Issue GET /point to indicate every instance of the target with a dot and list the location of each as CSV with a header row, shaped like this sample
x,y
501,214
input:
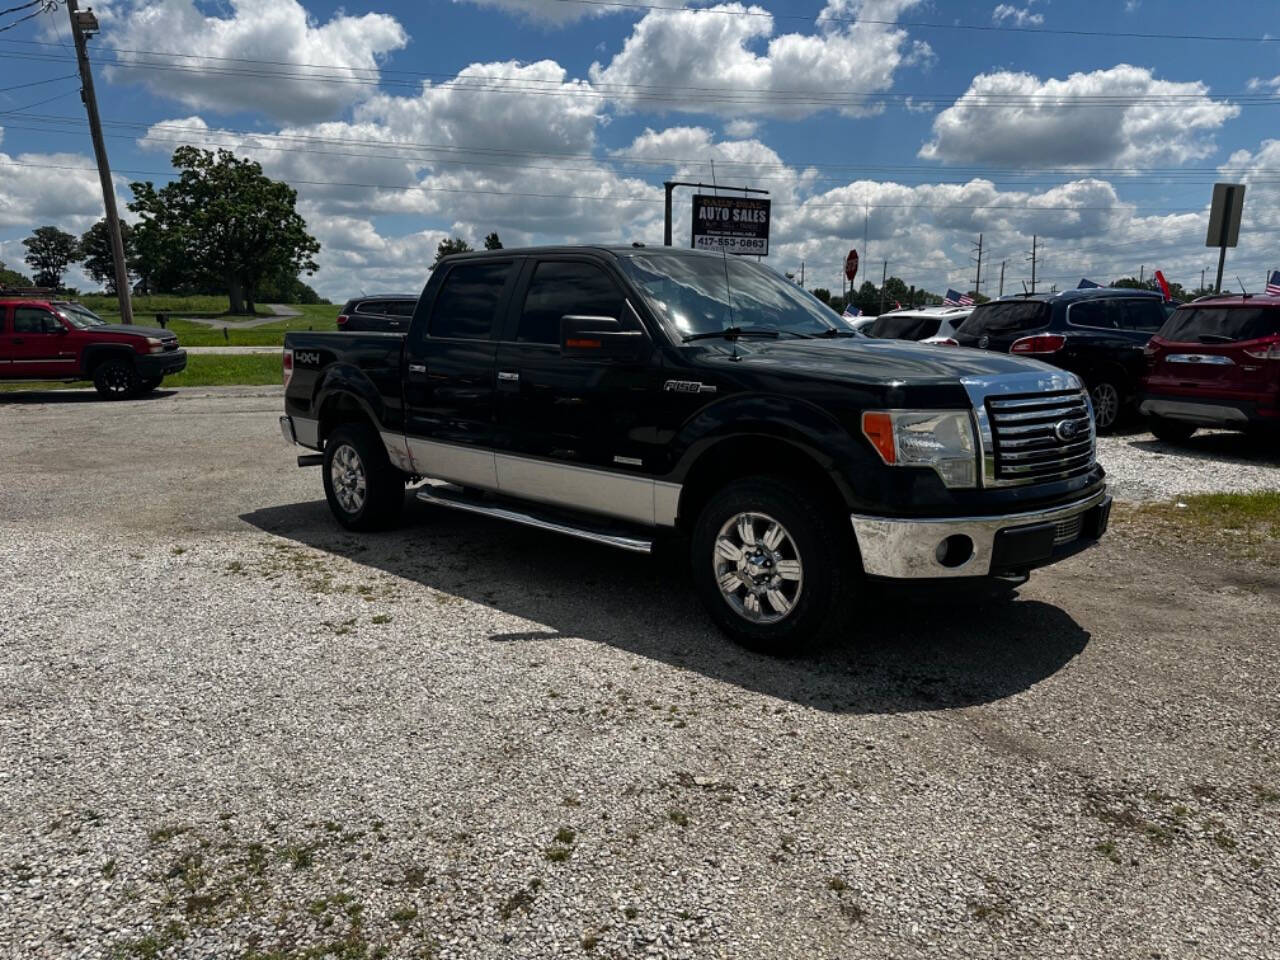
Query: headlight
x,y
941,439
154,345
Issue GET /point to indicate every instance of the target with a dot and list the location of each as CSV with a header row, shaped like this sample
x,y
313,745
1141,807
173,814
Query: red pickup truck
x,y
58,340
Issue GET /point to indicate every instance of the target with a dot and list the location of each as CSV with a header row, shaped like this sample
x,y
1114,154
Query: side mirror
x,y
599,338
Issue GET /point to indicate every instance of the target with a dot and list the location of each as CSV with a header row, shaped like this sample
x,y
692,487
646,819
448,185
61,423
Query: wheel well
x,y
738,457
99,355
339,409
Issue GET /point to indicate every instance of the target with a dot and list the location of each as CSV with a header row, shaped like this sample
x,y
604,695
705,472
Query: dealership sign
x,y
731,224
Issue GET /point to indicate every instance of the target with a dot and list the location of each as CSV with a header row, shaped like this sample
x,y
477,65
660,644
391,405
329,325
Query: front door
x,y
39,346
580,432
449,374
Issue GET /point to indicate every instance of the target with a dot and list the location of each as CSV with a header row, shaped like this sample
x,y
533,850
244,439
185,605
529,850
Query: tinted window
x,y
1099,314
1220,324
34,320
1006,316
402,308
891,326
468,299
557,289
1145,315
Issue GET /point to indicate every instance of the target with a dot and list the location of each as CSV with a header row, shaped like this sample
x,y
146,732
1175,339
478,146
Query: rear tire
x,y
365,492
772,569
1171,431
1108,403
116,379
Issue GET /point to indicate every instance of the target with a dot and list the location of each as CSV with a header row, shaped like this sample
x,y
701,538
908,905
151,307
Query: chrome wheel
x,y
758,567
346,470
1106,405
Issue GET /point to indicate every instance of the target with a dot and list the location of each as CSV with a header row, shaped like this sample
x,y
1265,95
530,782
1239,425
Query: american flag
x,y
1273,284
952,299
851,312
1087,284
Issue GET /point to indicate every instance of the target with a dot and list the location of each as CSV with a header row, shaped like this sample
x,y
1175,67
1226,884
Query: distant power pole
x,y
977,280
1002,263
1202,280
802,274
884,278
1032,258
1142,273
82,26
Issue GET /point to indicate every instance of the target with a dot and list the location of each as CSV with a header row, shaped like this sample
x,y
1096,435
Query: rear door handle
x,y
508,380
417,368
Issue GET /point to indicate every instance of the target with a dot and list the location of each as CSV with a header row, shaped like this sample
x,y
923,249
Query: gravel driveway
x,y
230,729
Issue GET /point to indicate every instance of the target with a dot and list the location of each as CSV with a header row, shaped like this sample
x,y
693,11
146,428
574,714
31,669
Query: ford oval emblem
x,y
983,341
1066,430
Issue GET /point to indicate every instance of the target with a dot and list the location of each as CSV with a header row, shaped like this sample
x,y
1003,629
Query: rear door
x,y
449,373
40,345
1216,350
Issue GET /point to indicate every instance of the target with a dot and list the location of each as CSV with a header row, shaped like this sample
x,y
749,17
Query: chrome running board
x,y
455,499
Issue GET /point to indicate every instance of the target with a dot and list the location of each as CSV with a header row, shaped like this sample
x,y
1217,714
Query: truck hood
x,y
866,361
134,330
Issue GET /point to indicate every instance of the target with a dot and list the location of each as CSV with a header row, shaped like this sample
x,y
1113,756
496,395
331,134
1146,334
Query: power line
x,y
36,83
922,25
21,20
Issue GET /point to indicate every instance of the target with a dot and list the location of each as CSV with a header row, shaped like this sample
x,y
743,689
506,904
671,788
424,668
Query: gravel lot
x,y
229,729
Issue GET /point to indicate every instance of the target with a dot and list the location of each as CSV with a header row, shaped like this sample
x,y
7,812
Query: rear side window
x,y
1011,316
468,299
34,320
403,308
1144,315
562,288
1098,314
1220,324
898,327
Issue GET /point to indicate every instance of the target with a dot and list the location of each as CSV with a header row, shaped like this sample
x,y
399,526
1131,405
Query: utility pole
x,y
1002,263
884,278
84,25
802,274
977,280
1202,280
1142,273
1034,240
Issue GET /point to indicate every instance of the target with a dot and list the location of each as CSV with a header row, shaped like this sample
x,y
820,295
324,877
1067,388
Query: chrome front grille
x,y
1042,436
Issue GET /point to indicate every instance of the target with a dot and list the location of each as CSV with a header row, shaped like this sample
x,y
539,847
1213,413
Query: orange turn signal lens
x,y
878,428
580,344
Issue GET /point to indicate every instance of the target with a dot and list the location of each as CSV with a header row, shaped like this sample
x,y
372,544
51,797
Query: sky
x,y
902,128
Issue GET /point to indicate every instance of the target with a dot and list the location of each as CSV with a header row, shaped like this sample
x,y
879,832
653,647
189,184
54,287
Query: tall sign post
x,y
83,24
1224,222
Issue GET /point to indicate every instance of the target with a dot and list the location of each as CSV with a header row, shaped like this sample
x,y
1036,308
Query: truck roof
x,y
610,249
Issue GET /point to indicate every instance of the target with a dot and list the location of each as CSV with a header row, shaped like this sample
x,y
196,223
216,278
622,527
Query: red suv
x,y
1215,363
45,340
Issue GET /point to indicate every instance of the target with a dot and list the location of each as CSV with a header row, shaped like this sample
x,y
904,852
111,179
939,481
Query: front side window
x,y
561,288
706,294
468,299
35,320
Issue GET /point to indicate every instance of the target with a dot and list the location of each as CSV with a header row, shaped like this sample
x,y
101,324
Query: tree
x,y
823,294
49,252
223,221
491,242
450,246
12,278
99,261
1176,291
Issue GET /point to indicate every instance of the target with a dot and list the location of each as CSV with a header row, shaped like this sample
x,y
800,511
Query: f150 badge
x,y
687,386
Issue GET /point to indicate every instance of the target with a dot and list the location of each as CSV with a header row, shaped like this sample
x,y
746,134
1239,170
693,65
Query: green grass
x,y
1249,523
203,370
314,316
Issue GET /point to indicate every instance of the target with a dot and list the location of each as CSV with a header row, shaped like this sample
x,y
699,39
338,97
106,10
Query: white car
x,y
860,325
936,325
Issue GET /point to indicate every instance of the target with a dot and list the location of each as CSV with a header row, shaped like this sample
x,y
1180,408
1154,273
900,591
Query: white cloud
x,y
1259,83
716,61
560,12
295,53
1021,16
741,129
1016,119
48,188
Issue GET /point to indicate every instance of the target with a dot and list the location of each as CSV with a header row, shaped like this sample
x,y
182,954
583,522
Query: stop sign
x,y
851,265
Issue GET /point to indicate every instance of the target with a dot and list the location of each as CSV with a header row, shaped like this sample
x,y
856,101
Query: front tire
x,y
149,384
365,492
770,566
116,379
1107,405
1171,431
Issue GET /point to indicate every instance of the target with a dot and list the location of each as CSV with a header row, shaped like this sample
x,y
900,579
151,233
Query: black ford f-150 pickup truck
x,y
619,394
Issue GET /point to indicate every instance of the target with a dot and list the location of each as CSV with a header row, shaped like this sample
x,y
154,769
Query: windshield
x,y
1006,316
897,326
1223,324
696,295
82,318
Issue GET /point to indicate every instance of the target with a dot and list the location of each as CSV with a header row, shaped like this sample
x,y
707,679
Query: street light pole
x,y
83,24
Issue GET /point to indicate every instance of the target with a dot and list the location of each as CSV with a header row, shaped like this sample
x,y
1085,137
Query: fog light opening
x,y
955,551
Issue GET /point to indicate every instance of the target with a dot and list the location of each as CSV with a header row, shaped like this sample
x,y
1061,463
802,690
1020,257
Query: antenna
x,y
1244,294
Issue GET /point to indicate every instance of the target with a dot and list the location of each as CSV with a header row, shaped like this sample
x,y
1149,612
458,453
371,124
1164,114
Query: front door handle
x,y
417,368
509,380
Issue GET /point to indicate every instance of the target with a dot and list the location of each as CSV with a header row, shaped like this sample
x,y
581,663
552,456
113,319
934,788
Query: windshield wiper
x,y
833,332
733,333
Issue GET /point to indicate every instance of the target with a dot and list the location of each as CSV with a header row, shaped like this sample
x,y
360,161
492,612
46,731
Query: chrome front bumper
x,y
909,548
